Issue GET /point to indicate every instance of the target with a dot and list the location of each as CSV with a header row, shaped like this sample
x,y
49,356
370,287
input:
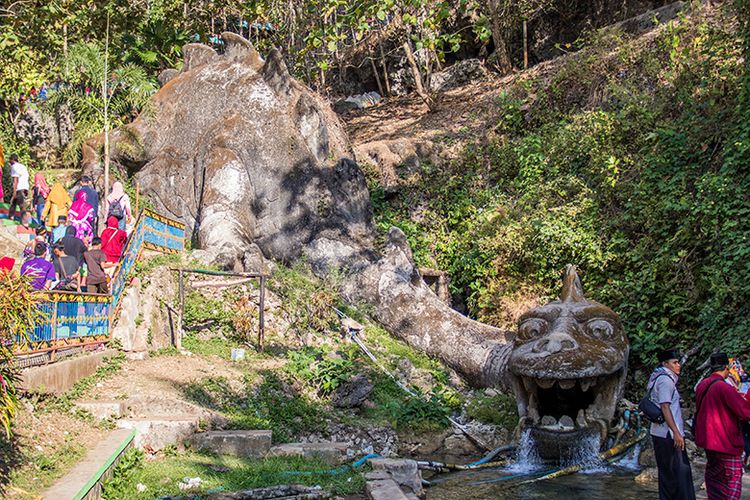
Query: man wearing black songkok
x,y
675,476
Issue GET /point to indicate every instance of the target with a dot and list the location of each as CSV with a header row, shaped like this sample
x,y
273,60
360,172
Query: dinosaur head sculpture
x,y
567,368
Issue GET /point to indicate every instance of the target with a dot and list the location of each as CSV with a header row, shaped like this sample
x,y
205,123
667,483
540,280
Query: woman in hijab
x,y
119,205
113,240
58,203
40,193
80,216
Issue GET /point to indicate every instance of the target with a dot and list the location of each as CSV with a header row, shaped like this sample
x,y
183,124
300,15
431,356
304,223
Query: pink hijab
x,y
41,184
79,207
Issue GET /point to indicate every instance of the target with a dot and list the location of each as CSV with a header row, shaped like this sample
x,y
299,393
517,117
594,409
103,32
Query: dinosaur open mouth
x,y
569,405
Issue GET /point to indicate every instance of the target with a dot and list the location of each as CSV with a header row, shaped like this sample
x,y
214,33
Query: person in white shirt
x,y
20,175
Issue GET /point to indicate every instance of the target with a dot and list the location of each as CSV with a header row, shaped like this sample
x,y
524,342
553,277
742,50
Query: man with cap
x,y
719,410
675,476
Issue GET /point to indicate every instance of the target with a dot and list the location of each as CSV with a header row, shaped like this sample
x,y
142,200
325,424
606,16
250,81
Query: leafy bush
x,y
122,475
320,368
499,410
18,315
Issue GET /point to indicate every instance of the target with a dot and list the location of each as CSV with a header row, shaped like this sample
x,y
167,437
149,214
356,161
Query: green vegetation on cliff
x,y
630,158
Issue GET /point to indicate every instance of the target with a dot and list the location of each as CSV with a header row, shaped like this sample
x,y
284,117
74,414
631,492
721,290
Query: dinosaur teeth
x,y
548,421
567,384
587,383
529,385
545,383
581,419
532,411
566,422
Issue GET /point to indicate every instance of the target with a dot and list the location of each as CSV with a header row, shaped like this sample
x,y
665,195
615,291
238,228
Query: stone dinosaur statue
x,y
259,167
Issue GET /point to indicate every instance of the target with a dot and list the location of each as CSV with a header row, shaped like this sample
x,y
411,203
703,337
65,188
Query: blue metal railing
x,y
72,318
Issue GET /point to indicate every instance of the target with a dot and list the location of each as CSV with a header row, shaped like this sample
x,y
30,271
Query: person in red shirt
x,y
113,240
719,410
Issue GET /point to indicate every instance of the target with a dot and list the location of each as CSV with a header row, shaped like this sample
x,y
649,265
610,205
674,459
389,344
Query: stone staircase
x,y
13,227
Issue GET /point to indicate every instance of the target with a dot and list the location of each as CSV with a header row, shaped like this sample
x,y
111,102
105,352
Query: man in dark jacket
x,y
719,411
74,247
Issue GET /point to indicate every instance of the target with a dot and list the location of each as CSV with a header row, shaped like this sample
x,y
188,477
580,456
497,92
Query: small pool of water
x,y
606,483
597,479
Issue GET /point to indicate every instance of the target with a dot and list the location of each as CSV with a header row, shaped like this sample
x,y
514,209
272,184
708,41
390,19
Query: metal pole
x,y
261,314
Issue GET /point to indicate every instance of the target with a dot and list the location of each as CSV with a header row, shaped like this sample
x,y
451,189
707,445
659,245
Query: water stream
x,y
598,480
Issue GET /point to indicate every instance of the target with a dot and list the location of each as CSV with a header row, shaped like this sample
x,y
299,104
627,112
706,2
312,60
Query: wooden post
x,y
377,77
417,75
54,332
181,296
385,69
261,314
525,46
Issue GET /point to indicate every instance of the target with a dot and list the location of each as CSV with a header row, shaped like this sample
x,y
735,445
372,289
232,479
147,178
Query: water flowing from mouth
x,y
586,454
527,456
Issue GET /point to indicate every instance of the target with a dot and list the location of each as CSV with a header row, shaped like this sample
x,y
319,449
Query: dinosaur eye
x,y
599,328
532,328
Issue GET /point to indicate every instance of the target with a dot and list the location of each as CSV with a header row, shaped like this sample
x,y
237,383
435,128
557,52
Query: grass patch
x,y
272,404
499,409
42,469
161,478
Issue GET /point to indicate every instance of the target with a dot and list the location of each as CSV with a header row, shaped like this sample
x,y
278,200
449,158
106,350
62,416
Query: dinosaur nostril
x,y
568,345
540,345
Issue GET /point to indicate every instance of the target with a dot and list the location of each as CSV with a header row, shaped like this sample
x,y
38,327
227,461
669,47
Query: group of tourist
x,y
722,404
67,252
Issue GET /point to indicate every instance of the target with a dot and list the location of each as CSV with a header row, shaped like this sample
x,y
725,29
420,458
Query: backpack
x,y
115,210
649,408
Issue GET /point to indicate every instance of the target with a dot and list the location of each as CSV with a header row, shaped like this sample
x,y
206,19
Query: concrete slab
x,y
60,376
103,409
332,453
253,443
158,432
405,472
384,489
84,481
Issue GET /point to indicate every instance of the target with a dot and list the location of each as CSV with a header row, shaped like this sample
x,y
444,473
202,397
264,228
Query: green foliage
x,y
122,475
201,310
19,314
307,300
498,409
271,404
128,89
404,412
629,162
324,370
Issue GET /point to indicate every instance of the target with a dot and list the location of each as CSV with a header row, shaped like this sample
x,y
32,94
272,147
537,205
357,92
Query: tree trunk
x,y
105,97
417,75
502,58
385,68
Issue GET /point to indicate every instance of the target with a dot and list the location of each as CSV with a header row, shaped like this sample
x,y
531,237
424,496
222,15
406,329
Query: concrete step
x,y
330,452
249,443
103,409
158,432
384,489
84,481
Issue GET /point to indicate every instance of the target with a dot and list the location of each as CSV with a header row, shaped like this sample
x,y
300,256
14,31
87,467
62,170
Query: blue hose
x,y
332,472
